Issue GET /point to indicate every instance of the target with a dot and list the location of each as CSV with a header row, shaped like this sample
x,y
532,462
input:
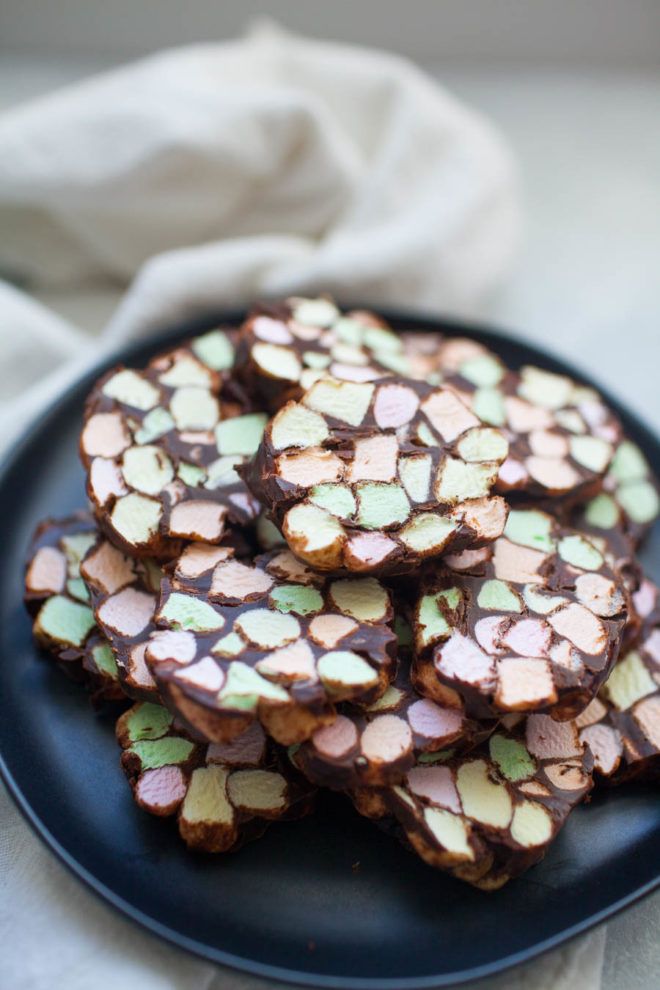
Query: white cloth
x,y
218,174
224,171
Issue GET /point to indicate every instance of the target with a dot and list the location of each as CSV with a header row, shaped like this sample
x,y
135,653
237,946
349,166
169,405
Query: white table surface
x,y
586,286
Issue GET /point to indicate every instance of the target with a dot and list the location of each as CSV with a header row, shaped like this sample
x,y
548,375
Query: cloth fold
x,y
273,164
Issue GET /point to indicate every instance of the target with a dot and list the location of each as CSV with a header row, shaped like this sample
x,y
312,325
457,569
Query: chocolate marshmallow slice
x,y
58,600
562,437
123,594
488,815
271,642
376,745
222,795
161,447
531,624
377,477
284,347
622,725
623,512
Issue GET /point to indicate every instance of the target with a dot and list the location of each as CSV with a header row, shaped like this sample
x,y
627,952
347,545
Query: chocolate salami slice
x,y
161,447
491,814
58,599
628,505
124,593
561,435
222,795
379,476
622,725
271,642
284,347
531,624
375,745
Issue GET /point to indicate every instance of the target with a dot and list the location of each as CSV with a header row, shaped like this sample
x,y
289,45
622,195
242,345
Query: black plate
x,y
328,901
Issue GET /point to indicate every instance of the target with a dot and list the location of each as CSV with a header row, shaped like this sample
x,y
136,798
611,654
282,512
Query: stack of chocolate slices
x,y
319,553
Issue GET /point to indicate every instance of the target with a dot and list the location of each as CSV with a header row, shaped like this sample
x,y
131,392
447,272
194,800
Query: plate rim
x,y
179,329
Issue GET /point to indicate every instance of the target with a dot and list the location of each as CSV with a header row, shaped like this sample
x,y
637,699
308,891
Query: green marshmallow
x,y
229,646
298,598
511,757
245,686
337,499
581,553
241,435
215,350
484,371
268,629
530,528
432,622
65,621
148,721
345,668
129,388
168,751
155,424
629,463
602,512
497,596
188,612
381,504
191,475
488,405
105,661
640,501
77,589
75,547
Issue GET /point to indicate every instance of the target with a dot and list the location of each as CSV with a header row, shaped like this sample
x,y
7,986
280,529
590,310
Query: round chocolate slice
x,y
489,815
124,592
57,597
379,476
622,725
161,447
222,795
532,623
284,347
271,642
628,505
561,435
376,745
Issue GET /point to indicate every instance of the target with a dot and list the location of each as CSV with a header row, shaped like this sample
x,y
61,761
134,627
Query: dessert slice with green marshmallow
x,y
376,477
562,437
376,744
623,512
57,598
531,624
622,725
161,447
123,593
488,815
222,794
270,642
286,346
